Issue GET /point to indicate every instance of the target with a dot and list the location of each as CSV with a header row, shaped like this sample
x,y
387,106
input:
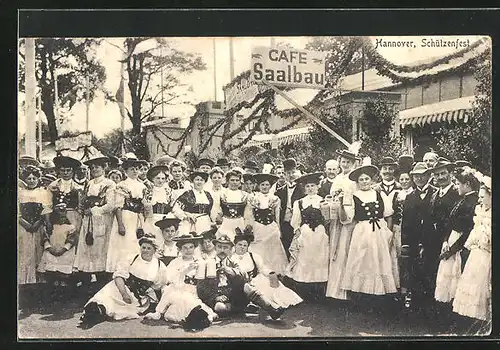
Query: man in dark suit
x,y
442,203
332,169
388,187
288,195
416,228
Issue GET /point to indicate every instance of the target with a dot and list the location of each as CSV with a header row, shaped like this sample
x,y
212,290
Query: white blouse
x,y
153,270
94,188
307,201
245,263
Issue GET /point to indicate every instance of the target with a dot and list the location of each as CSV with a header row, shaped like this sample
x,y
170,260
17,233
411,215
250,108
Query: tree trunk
x,y
48,109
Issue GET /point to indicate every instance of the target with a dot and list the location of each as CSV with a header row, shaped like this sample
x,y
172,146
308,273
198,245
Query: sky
x,y
104,116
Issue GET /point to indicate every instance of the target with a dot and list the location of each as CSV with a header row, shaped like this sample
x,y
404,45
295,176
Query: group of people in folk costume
x,y
190,246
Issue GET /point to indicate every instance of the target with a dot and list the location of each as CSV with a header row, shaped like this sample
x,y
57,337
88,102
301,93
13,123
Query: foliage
x,y
377,136
472,140
72,60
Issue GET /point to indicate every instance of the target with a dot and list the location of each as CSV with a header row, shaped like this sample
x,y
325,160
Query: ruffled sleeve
x,y
349,207
123,266
296,220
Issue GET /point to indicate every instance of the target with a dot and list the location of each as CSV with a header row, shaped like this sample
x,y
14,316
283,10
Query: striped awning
x,y
444,111
284,137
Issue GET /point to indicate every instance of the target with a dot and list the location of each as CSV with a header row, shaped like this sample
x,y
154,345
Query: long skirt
x,y
110,297
92,258
268,245
279,296
62,264
178,303
120,246
337,266
229,225
75,218
203,223
396,253
369,266
473,294
311,262
449,272
27,255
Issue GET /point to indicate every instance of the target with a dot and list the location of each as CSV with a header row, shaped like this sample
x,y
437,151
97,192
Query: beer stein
x,y
201,270
211,268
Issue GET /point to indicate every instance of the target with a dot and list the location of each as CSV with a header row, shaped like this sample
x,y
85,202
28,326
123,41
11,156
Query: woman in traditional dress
x,y
132,290
308,266
473,295
249,183
234,209
130,215
169,229
340,230
206,248
216,190
459,226
263,278
264,219
178,184
98,206
194,206
115,175
35,206
369,265
179,302
158,200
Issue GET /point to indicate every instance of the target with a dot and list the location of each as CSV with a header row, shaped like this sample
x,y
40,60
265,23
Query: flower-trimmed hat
x,y
187,238
148,238
130,160
261,177
168,222
209,234
164,160
223,239
97,160
246,235
155,170
313,178
28,160
205,161
370,170
66,162
388,161
346,154
47,164
420,168
201,174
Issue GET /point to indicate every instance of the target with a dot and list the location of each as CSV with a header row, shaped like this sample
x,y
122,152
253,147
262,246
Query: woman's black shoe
x,y
197,319
93,314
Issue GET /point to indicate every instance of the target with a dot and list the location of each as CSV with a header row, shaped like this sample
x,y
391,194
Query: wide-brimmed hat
x,y
313,178
28,160
155,170
346,154
97,160
289,164
486,182
443,164
209,234
462,163
66,162
164,160
388,161
187,238
405,163
198,173
245,235
223,162
114,161
205,161
177,162
248,177
249,164
223,239
129,160
168,222
47,164
148,238
370,170
261,177
420,168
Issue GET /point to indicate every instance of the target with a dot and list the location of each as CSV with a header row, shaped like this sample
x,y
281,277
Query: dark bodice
x,y
93,201
138,286
370,211
397,205
176,185
162,208
188,202
264,216
311,216
232,210
133,204
70,198
31,211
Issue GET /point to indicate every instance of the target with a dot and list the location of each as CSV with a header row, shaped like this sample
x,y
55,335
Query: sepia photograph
x,y
254,187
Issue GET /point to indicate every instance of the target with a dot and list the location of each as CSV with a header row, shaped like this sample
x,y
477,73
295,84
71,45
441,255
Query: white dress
x,y
342,229
309,250
233,208
109,296
120,246
158,206
183,206
369,264
93,258
279,296
62,236
448,274
179,297
69,192
33,204
267,242
473,295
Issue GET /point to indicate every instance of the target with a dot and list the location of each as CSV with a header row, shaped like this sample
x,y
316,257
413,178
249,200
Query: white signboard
x,y
73,143
243,90
289,67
